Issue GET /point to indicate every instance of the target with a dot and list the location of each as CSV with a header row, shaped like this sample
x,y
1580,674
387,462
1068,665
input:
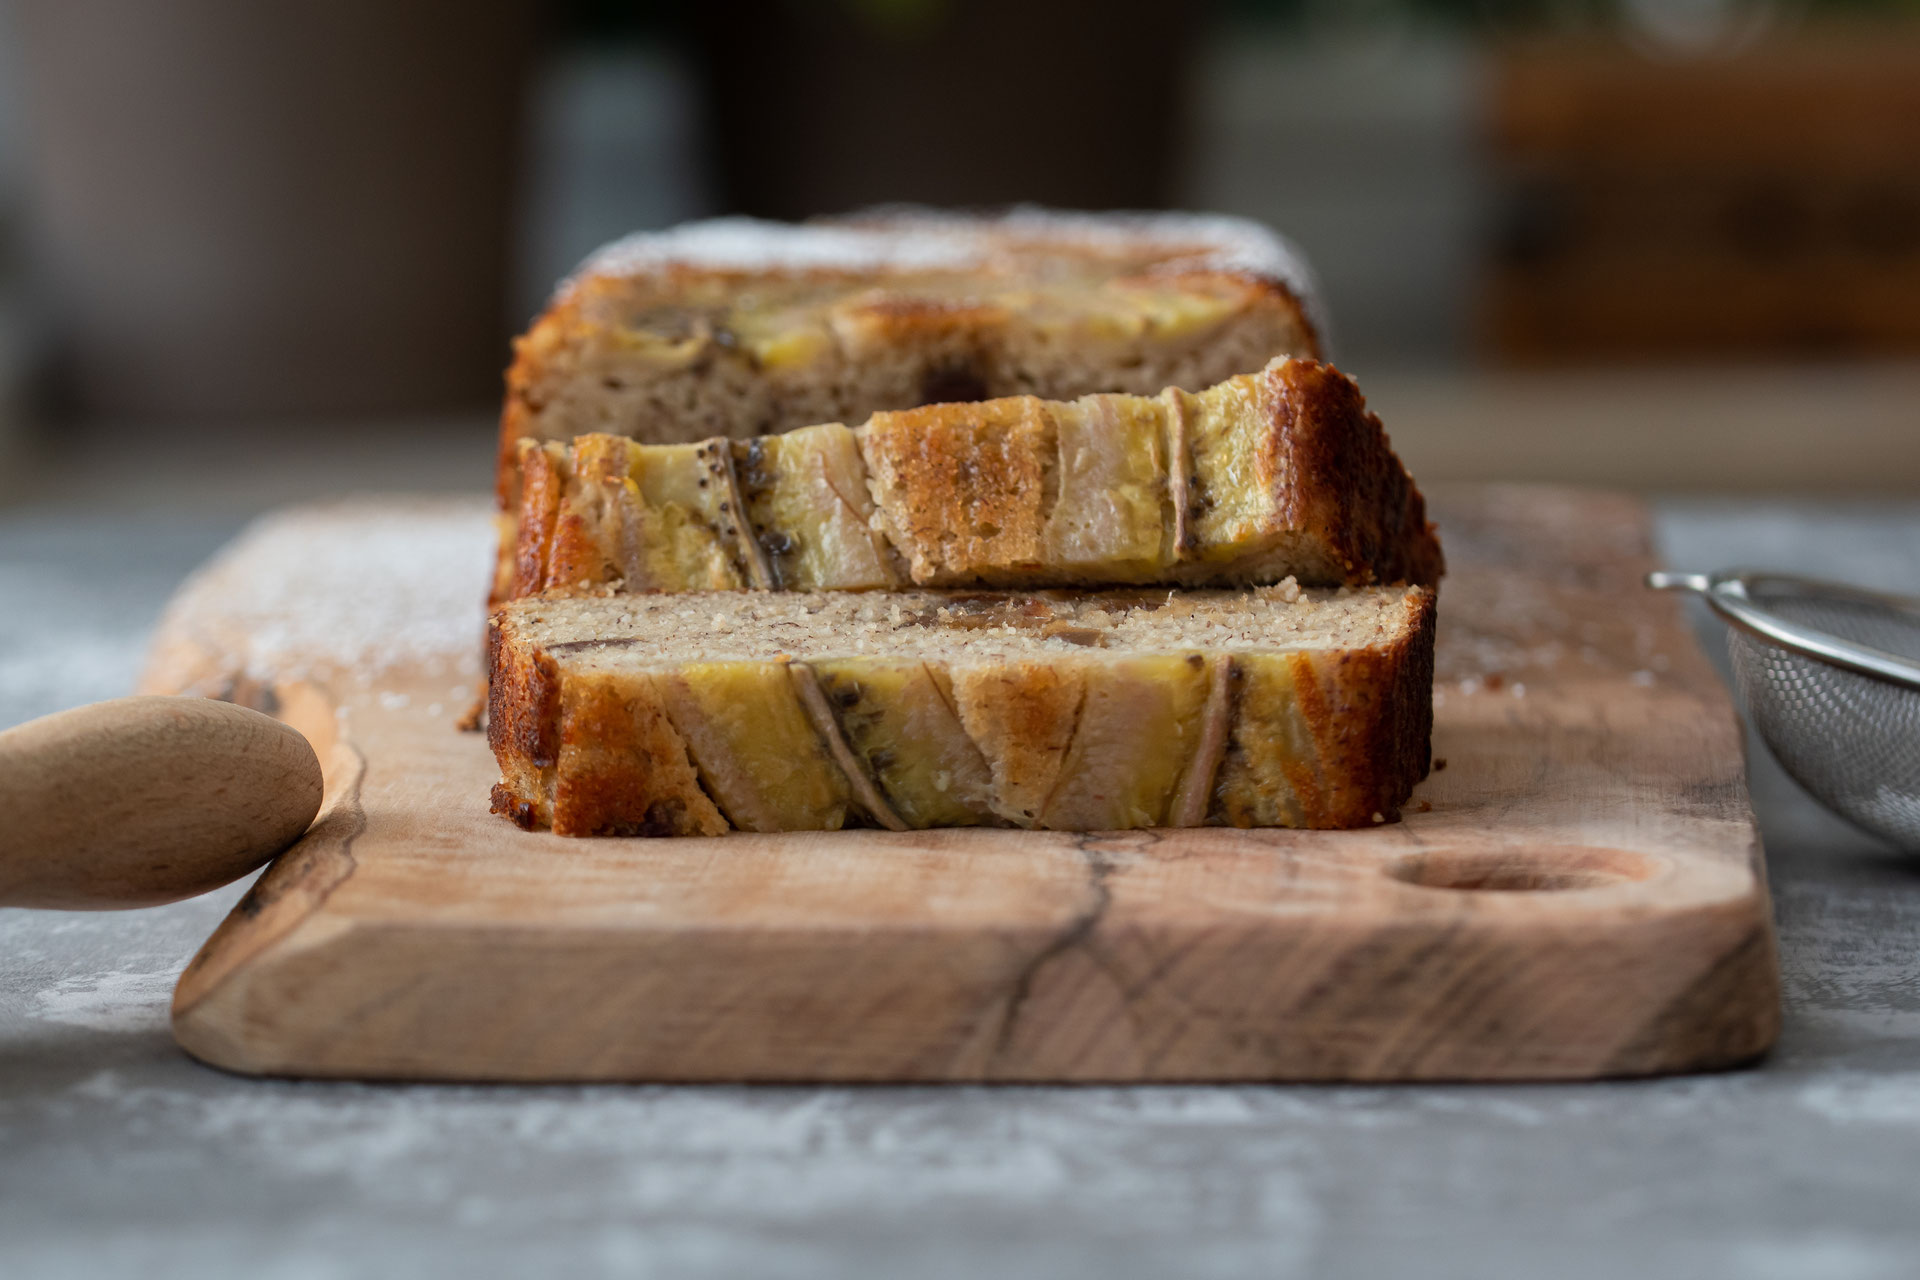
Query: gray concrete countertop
x,y
119,1156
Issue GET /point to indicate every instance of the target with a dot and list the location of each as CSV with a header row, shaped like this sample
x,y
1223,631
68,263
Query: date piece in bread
x,y
743,328
1281,473
699,713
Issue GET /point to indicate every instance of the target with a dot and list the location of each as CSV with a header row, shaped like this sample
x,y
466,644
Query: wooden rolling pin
x,y
140,801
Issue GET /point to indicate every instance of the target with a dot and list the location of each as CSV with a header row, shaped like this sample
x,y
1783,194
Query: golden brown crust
x,y
523,726
586,756
1330,740
1370,712
1332,469
622,770
541,486
968,479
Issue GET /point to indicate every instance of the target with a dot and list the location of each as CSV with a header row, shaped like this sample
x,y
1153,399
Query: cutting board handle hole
x,y
1545,869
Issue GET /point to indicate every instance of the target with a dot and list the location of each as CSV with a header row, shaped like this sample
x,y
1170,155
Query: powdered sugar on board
x,y
358,586
916,239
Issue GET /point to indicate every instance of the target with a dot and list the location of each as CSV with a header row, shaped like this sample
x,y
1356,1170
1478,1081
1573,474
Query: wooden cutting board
x,y
1577,890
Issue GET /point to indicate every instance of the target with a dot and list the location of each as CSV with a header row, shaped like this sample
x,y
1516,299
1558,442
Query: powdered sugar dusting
x,y
909,238
114,1001
752,244
361,585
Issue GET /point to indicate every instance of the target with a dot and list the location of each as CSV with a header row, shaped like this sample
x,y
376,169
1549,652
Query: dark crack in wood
x,y
1072,937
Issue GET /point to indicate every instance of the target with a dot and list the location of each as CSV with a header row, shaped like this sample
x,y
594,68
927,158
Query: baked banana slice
x,y
901,721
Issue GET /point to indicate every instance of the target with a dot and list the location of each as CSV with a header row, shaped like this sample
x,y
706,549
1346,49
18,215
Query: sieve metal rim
x,y
1729,595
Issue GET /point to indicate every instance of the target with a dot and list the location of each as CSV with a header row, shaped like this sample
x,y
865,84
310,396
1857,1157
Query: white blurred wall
x,y
1362,148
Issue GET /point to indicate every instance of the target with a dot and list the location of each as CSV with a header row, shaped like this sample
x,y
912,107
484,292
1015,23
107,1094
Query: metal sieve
x,y
1830,675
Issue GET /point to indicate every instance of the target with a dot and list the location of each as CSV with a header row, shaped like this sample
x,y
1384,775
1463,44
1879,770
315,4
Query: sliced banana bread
x,y
1268,475
697,713
739,328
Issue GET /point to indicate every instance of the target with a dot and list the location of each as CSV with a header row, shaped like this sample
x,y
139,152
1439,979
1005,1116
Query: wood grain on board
x,y
1575,892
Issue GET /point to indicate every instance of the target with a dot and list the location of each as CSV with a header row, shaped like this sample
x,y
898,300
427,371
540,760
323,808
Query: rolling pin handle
x,y
145,800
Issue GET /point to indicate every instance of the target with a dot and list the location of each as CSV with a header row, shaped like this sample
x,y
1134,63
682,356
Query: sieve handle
x,y
1727,595
1696,582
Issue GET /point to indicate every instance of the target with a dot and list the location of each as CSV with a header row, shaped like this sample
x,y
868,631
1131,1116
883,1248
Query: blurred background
x,y
252,251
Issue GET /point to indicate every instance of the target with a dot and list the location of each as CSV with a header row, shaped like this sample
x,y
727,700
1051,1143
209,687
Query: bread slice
x,y
698,713
740,328
1268,475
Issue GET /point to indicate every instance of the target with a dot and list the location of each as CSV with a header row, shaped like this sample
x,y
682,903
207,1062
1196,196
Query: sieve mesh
x,y
1851,739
